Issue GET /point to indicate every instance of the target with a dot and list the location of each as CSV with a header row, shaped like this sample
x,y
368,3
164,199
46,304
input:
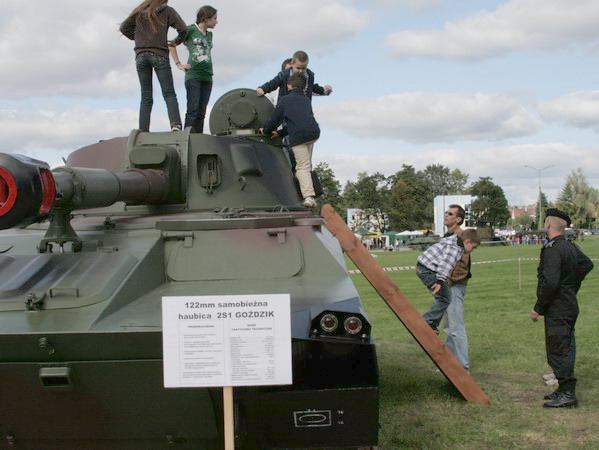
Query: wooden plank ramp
x,y
403,309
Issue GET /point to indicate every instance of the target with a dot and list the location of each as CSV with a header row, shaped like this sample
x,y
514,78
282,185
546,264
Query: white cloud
x,y
414,5
65,48
50,135
250,33
578,109
514,26
505,164
423,117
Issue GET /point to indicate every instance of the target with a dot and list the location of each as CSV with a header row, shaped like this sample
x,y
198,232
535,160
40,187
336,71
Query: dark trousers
x,y
561,349
198,95
442,298
146,62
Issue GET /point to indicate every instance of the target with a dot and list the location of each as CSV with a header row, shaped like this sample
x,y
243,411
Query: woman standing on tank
x,y
198,70
148,26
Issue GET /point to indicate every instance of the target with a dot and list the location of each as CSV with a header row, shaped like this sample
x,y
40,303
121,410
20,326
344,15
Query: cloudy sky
x,y
488,87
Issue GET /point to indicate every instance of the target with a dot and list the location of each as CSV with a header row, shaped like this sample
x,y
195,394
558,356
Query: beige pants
x,y
303,167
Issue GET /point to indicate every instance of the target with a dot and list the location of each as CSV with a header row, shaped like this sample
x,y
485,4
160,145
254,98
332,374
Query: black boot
x,y
562,400
553,395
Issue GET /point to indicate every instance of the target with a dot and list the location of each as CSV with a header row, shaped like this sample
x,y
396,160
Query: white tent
x,y
410,233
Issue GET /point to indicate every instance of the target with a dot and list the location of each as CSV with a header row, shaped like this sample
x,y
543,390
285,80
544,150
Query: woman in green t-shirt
x,y
198,70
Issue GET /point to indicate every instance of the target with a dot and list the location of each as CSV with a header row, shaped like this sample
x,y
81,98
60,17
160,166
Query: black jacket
x,y
296,110
561,270
280,82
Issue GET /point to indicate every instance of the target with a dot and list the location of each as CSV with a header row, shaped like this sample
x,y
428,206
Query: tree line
x,y
578,198
406,197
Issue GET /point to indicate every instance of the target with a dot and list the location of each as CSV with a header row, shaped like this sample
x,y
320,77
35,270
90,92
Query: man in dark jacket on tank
x,y
561,270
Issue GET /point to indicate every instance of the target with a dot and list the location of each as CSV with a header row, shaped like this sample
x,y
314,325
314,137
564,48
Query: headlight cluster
x,y
340,324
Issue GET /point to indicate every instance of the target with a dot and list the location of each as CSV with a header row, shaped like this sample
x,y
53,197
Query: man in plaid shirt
x,y
435,266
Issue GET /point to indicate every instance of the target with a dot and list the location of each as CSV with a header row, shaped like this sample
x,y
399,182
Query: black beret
x,y
557,213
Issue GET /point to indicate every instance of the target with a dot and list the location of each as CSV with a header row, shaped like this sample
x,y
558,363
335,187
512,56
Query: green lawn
x,y
420,409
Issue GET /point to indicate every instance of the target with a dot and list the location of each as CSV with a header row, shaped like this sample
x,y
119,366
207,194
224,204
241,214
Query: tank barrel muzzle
x,y
27,190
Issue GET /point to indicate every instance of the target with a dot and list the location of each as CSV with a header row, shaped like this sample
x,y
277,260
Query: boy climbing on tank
x,y
299,64
301,128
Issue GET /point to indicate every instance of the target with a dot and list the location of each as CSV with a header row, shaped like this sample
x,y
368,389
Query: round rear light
x,y
353,325
329,323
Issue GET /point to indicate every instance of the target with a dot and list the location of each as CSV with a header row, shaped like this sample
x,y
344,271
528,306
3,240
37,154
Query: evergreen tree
x,y
578,199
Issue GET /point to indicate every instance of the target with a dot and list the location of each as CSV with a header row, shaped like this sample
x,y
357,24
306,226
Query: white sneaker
x,y
549,376
552,382
176,127
309,202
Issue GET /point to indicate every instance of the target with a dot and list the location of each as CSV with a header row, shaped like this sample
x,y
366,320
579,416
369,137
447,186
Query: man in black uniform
x,y
561,270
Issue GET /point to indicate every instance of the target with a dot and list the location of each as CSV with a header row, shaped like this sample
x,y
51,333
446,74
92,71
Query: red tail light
x,y
353,325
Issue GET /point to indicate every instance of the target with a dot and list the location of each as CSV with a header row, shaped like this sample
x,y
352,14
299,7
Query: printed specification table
x,y
226,340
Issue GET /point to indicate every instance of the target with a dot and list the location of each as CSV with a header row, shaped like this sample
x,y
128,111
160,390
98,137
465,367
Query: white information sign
x,y
228,340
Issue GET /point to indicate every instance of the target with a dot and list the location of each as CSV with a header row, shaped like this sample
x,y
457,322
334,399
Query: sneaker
x,y
552,382
549,376
309,202
176,127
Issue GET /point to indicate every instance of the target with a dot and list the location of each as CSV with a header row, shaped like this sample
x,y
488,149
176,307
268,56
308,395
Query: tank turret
x,y
89,250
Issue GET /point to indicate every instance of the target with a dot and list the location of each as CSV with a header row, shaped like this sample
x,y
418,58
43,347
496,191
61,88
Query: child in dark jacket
x,y
299,64
295,109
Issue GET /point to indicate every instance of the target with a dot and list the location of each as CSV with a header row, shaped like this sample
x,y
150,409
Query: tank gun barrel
x,y
29,190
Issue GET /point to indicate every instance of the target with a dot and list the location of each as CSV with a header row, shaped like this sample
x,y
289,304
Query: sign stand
x,y
403,309
229,418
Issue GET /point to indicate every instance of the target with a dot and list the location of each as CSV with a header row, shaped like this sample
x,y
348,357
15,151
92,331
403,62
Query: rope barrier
x,y
394,269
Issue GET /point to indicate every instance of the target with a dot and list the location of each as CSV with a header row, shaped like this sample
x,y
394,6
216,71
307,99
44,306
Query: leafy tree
x,y
412,194
441,181
578,199
523,222
407,200
331,187
369,193
490,208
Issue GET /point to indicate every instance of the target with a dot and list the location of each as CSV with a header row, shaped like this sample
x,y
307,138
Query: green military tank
x,y
90,249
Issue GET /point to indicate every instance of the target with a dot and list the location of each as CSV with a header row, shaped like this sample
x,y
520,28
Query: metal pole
x,y
519,274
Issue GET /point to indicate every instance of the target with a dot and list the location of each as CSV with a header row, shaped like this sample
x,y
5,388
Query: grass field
x,y
420,409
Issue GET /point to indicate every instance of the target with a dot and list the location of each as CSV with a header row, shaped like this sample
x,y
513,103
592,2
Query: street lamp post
x,y
539,205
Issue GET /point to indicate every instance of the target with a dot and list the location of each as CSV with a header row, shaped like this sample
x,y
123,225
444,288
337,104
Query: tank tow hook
x,y
33,302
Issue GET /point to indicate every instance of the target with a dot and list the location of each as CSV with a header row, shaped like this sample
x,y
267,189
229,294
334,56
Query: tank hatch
x,y
265,253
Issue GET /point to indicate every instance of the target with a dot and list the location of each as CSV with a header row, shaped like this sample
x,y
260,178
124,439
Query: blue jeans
x,y
145,62
198,95
442,298
455,329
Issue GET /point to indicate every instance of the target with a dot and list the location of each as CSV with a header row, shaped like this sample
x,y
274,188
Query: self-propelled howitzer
x,y
90,249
